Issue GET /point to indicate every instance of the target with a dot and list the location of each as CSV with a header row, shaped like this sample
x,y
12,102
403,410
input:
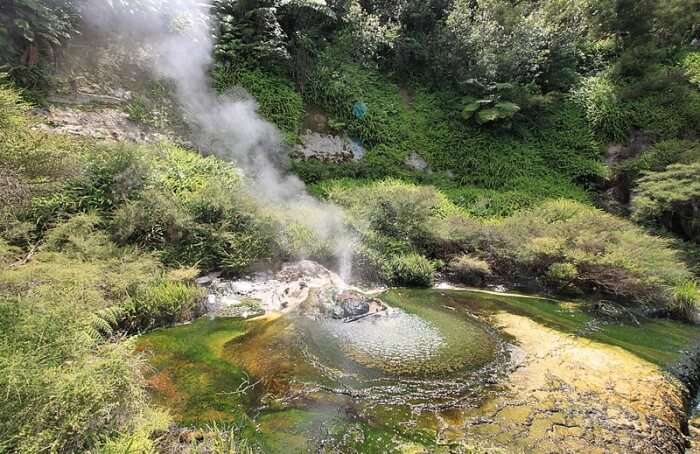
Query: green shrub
x,y
685,300
79,237
41,161
67,384
410,270
561,275
161,304
611,255
659,156
152,222
690,62
600,97
546,154
277,100
395,217
670,198
112,176
32,33
468,270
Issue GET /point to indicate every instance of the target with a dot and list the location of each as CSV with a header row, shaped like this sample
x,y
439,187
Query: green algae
x,y
190,374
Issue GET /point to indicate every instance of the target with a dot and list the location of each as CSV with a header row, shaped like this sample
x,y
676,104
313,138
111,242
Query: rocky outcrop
x,y
328,148
101,123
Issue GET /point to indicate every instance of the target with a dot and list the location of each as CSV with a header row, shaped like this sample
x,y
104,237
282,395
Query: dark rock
x,y
355,307
349,305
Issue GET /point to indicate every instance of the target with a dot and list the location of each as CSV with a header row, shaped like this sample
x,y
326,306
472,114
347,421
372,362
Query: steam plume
x,y
178,32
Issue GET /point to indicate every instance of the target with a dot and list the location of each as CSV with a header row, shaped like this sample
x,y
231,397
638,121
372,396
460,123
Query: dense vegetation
x,y
107,239
512,106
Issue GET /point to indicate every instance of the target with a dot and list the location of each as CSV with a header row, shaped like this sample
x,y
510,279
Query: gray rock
x,y
328,148
415,162
355,307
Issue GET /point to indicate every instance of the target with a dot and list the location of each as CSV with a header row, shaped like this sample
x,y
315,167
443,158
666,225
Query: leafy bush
x,y
690,62
410,270
561,275
599,96
111,177
670,198
469,270
686,300
68,385
30,37
611,255
37,159
395,217
277,100
161,304
659,156
544,155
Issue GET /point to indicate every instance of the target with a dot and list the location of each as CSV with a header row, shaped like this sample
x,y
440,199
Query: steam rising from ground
x,y
178,34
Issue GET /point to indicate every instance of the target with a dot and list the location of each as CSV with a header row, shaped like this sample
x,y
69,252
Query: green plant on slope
x,y
277,100
68,383
610,255
670,198
690,62
410,270
469,270
686,299
599,95
659,156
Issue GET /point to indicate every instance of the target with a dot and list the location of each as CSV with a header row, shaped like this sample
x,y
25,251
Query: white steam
x,y
178,35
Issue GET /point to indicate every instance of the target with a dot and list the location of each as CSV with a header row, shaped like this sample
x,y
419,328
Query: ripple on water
x,y
398,342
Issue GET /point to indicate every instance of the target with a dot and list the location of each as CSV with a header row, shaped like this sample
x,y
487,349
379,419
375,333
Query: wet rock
x,y
347,305
282,291
353,304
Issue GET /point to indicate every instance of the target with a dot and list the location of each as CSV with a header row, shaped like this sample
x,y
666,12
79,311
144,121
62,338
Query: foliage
x,y
599,96
660,103
34,157
610,254
67,384
277,100
490,109
410,270
468,270
540,158
690,62
161,304
274,33
394,217
686,299
659,156
369,38
670,198
31,33
497,42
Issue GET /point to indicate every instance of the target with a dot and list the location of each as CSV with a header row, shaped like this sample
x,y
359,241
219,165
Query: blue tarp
x,y
359,110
